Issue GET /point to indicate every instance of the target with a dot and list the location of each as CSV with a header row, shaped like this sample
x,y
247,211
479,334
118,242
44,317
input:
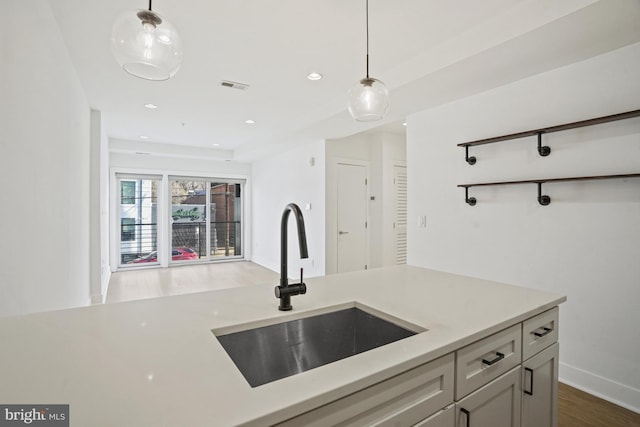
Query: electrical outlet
x,y
306,263
422,221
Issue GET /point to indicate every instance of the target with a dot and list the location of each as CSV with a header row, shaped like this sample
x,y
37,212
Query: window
x,y
128,192
127,229
176,220
138,213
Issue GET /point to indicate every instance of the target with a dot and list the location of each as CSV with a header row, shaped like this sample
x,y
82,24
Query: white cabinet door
x,y
540,389
444,418
497,404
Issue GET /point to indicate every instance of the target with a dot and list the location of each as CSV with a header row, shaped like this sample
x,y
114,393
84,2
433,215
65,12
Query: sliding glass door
x,y
225,220
167,220
206,219
188,220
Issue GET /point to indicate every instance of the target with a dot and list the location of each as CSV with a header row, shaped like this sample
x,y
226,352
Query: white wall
x,y
44,166
105,213
585,244
381,151
99,199
176,164
277,181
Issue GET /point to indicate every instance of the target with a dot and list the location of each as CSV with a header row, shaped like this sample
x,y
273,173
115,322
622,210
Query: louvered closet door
x,y
400,223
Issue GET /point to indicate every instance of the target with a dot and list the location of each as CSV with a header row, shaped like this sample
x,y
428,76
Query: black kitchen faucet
x,y
284,291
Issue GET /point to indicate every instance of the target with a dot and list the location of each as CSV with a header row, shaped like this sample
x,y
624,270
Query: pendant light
x,y
146,45
369,98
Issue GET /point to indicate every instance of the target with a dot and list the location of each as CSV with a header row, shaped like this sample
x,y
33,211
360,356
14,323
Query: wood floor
x,y
579,409
575,408
159,282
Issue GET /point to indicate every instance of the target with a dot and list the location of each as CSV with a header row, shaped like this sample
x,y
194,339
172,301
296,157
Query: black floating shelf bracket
x,y
471,160
543,150
471,201
544,200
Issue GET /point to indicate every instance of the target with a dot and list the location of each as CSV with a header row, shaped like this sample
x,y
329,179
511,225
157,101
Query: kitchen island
x,y
156,362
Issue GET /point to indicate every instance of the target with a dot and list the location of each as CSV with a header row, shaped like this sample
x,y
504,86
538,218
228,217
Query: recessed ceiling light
x,y
151,106
250,122
404,123
216,145
144,137
314,76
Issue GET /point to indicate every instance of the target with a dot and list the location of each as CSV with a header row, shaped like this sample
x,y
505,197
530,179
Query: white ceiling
x,y
428,52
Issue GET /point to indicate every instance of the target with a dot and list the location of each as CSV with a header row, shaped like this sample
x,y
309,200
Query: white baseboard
x,y
620,394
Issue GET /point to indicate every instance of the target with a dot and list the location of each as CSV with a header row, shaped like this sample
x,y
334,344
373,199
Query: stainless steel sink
x,y
269,353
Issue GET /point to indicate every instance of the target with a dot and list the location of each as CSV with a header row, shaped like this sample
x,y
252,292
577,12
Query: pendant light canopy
x,y
146,45
369,98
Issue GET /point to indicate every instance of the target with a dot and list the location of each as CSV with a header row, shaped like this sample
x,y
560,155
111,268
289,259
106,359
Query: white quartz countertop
x,y
156,362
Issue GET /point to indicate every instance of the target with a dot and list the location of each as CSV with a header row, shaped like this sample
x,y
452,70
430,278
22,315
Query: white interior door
x,y
400,220
352,218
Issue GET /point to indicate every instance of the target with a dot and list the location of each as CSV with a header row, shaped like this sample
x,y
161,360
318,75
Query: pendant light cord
x,y
149,4
367,25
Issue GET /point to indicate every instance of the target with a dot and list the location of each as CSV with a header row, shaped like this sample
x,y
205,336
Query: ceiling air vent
x,y
234,85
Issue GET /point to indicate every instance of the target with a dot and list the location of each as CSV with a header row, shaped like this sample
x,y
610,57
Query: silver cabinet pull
x,y
342,232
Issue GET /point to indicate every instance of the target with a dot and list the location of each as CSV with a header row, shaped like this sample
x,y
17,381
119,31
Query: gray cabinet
x,y
530,352
497,404
540,389
403,400
507,379
443,418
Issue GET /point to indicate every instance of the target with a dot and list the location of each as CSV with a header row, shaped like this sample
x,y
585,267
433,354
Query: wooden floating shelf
x,y
542,199
558,128
542,181
545,150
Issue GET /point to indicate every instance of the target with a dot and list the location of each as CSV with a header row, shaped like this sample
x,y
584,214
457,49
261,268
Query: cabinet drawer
x,y
487,359
539,332
399,401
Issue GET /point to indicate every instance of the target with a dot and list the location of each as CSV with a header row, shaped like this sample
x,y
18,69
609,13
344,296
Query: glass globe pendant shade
x,y
146,45
368,100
